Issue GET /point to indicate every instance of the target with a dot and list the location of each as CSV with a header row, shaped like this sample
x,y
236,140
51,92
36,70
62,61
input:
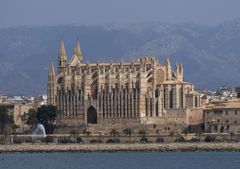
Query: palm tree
x,y
114,133
129,132
88,133
142,132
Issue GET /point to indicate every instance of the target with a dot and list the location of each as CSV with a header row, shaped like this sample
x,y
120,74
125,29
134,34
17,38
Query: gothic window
x,y
157,93
60,80
164,97
146,106
171,98
196,102
157,111
151,106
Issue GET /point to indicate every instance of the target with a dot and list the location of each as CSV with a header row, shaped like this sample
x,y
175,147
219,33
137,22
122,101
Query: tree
x,y
186,131
114,133
46,115
142,132
88,133
128,132
210,138
6,121
30,118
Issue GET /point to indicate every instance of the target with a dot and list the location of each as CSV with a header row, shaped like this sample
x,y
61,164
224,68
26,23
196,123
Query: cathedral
x,y
141,91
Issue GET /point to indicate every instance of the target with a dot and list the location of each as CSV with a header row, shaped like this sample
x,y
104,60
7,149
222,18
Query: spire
x,y
177,66
179,72
168,60
181,66
51,71
78,49
62,52
168,69
62,58
77,55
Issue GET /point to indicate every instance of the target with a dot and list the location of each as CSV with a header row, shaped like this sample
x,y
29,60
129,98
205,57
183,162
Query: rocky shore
x,y
171,147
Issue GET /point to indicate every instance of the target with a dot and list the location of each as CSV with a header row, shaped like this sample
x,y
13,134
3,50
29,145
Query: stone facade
x,y
222,117
17,111
142,91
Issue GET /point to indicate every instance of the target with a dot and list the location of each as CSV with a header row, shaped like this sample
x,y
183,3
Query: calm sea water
x,y
204,160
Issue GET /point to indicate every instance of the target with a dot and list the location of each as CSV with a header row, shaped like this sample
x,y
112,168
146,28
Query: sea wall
x,y
173,147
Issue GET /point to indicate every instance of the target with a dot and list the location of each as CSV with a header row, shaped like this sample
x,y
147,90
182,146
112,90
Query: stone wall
x,y
195,116
222,120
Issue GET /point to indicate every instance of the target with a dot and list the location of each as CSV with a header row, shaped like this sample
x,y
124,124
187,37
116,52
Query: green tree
x,y
142,132
114,133
6,121
210,138
46,115
186,131
128,132
88,133
30,118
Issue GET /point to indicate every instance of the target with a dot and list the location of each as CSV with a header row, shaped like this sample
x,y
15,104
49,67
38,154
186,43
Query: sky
x,y
55,12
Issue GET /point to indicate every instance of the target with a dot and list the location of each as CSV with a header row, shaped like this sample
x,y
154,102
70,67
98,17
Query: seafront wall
x,y
171,147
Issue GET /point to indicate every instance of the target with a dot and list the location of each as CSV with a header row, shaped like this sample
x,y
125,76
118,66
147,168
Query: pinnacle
x,y
51,70
62,51
78,49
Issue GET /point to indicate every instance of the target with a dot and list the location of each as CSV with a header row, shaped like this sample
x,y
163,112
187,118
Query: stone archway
x,y
92,115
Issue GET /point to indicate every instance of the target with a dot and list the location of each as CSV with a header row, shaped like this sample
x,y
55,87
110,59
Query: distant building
x,y
41,100
17,106
142,91
16,111
222,117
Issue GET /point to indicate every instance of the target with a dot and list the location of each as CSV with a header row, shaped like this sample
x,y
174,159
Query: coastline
x,y
165,147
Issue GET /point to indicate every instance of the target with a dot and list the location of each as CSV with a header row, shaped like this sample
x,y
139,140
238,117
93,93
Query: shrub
x,y
143,140
116,140
79,140
210,138
159,140
95,141
64,140
110,141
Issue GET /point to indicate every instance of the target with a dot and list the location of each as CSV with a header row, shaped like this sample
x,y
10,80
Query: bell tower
x,y
62,58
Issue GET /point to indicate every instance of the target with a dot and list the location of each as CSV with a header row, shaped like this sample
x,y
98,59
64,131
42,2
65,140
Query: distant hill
x,y
211,55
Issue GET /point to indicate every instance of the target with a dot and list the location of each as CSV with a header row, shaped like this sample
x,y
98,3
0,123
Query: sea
x,y
177,160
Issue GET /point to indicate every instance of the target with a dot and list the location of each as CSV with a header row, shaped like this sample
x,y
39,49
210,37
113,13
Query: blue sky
x,y
53,12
